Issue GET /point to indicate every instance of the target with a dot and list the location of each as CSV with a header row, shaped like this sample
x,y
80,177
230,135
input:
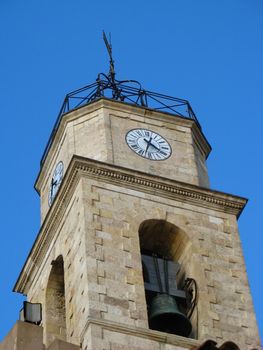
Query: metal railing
x,y
128,91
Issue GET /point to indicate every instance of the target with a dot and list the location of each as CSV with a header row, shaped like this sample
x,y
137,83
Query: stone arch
x,y
55,303
163,238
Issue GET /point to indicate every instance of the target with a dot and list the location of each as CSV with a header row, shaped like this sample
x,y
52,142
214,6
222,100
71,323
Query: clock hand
x,y
155,146
148,143
53,184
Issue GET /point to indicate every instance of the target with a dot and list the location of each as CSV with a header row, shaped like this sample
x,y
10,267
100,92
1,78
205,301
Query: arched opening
x,y
165,254
55,303
163,238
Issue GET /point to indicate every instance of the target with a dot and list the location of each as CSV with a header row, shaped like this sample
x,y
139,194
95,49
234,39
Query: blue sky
x,y
207,51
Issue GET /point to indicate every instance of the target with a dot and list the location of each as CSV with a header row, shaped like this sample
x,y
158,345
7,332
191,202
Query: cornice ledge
x,y
172,189
140,332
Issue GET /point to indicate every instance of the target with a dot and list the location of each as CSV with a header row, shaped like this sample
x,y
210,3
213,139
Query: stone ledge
x,y
171,189
150,334
62,345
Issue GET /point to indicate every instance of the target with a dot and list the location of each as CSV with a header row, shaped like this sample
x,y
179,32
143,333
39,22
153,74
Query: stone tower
x,y
120,178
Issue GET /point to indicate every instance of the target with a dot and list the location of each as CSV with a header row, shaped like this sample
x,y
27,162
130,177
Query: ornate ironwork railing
x,y
128,91
132,93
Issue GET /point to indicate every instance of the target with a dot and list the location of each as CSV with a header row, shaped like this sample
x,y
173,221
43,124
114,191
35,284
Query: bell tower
x,y
135,251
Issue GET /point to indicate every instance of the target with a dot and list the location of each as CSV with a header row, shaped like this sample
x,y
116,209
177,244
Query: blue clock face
x,y
148,144
55,182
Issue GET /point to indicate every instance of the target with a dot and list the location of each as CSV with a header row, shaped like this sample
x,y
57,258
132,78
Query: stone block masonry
x,y
94,225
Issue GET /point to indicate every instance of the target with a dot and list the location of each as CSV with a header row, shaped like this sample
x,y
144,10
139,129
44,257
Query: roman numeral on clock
x,y
163,153
135,146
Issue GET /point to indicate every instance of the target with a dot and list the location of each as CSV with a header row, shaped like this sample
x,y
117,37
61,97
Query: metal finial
x,y
109,48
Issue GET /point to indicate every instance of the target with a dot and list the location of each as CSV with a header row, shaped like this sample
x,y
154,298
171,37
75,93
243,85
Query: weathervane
x,y
109,48
117,93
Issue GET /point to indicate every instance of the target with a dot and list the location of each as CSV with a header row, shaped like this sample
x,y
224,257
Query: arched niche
x,y
55,326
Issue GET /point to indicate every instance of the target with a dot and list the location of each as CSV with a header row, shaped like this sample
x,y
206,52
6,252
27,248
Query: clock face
x,y
55,182
148,144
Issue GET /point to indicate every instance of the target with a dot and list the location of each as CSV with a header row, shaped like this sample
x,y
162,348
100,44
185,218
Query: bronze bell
x,y
165,316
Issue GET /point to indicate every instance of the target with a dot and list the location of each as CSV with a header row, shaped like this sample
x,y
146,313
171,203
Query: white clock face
x,y
148,144
55,182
